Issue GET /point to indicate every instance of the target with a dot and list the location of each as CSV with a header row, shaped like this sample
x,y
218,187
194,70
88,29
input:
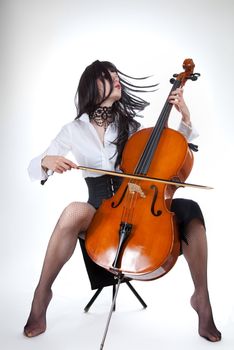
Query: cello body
x,y
153,245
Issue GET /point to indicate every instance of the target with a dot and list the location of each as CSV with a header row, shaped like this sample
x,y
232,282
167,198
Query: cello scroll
x,y
188,66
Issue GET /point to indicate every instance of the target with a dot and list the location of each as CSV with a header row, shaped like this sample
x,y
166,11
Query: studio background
x,y
45,46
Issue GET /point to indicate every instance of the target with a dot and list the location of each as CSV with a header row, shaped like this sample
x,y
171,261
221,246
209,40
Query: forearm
x,y
185,116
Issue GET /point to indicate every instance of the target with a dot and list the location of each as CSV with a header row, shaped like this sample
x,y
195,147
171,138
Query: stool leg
x,y
137,295
90,303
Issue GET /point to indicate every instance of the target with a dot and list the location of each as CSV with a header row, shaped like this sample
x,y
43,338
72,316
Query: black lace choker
x,y
102,116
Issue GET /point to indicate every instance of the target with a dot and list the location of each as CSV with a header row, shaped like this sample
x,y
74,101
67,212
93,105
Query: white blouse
x,y
81,139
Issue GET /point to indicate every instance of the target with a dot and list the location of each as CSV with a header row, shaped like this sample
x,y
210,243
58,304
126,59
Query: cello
x,y
134,233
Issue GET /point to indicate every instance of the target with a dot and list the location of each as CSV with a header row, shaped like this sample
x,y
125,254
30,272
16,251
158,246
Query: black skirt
x,y
104,187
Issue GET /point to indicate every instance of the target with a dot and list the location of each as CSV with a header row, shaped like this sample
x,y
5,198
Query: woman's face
x,y
115,94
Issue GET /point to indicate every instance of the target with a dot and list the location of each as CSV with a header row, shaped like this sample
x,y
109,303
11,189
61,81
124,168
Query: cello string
x,y
124,216
151,145
134,198
129,206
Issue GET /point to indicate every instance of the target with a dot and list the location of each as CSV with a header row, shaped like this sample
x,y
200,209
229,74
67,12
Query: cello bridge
x,y
134,188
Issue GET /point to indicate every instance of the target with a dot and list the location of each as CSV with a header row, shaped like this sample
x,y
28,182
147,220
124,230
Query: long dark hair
x,y
87,99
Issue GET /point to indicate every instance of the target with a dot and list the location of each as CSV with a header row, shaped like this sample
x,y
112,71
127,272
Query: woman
x,y
106,110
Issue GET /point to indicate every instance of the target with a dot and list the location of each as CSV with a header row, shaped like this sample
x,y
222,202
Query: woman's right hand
x,y
58,164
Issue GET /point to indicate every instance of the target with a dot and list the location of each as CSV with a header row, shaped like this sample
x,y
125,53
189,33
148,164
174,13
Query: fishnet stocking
x,y
75,218
196,255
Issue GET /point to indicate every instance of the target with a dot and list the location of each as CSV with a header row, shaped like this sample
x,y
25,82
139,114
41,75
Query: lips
x,y
118,86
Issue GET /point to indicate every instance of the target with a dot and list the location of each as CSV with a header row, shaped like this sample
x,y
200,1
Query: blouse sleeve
x,y
188,131
60,146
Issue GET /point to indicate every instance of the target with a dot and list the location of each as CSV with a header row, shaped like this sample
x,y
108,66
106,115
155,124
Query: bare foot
x,y
206,327
36,323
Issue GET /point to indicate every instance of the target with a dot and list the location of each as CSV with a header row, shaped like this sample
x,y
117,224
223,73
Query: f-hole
x,y
153,211
113,205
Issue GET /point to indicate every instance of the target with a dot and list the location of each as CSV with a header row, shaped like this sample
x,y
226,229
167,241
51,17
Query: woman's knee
x,y
75,215
70,216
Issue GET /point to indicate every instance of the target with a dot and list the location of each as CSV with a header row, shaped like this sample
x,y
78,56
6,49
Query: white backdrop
x,y
45,46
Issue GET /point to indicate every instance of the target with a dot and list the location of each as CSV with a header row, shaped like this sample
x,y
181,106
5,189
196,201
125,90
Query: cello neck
x,y
151,146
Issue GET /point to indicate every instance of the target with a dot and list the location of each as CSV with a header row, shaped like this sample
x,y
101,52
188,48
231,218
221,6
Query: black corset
x,y
102,187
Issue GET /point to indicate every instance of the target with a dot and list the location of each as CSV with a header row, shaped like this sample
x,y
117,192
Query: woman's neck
x,y
102,116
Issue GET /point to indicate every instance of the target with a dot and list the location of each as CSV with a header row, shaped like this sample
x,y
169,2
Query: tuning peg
x,y
194,76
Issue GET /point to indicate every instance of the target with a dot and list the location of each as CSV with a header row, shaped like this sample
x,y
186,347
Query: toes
x,y
34,329
212,337
33,333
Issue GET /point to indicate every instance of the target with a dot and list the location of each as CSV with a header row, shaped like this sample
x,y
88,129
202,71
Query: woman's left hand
x,y
177,99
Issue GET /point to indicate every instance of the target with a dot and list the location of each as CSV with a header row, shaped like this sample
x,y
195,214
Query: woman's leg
x,y
74,219
196,255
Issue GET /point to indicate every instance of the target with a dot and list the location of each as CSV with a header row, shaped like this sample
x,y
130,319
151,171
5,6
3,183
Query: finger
x,y
58,170
65,163
178,93
61,167
72,165
69,163
174,99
